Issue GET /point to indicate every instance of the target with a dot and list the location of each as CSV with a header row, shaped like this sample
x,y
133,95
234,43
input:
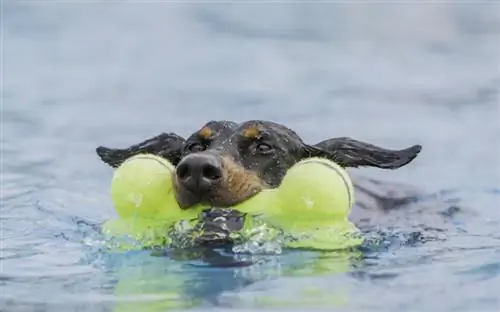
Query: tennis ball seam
x,y
329,165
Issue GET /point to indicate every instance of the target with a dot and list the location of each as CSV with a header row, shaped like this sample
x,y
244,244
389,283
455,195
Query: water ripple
x,y
105,73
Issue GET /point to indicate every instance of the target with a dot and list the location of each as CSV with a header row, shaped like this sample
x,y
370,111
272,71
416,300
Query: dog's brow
x,y
251,132
206,133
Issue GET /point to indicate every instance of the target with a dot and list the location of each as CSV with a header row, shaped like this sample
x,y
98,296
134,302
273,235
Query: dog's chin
x,y
216,199
216,226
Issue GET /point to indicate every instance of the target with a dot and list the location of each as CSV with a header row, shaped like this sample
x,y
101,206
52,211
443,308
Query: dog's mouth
x,y
220,189
215,198
233,185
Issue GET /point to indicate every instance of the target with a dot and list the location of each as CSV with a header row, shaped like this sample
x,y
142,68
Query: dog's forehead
x,y
214,130
255,128
280,136
225,135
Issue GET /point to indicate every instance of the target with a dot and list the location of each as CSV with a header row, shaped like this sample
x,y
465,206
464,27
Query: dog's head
x,y
225,163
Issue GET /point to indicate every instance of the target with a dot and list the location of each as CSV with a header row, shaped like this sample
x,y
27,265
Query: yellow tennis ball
x,y
142,188
317,189
317,196
143,197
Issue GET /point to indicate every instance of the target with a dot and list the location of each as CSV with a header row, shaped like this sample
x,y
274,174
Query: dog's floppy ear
x,y
166,145
348,152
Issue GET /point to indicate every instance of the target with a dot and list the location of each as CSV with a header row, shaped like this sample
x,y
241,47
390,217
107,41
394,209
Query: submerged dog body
x,y
225,163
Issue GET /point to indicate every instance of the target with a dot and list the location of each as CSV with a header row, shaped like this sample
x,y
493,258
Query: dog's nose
x,y
199,172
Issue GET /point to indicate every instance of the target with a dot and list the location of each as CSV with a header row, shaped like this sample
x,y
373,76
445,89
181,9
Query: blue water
x,y
80,74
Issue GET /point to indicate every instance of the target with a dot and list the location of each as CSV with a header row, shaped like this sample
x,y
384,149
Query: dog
x,y
224,163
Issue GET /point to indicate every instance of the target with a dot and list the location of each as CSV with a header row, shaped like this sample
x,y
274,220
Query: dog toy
x,y
142,196
312,202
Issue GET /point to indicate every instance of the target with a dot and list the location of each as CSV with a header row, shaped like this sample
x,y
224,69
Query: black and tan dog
x,y
225,163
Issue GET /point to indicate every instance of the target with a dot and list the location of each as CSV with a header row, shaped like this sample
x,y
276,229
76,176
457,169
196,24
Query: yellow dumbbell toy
x,y
312,203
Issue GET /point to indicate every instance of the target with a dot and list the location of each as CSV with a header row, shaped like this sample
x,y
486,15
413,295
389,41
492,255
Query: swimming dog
x,y
224,163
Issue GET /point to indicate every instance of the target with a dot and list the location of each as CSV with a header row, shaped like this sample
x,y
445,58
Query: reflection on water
x,y
158,283
81,74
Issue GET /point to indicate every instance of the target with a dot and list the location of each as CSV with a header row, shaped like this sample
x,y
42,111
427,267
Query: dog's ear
x,y
166,145
348,152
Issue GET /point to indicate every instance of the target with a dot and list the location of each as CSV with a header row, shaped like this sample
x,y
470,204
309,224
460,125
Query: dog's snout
x,y
199,172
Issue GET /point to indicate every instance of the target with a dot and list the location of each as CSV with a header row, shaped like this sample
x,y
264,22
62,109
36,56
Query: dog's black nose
x,y
199,172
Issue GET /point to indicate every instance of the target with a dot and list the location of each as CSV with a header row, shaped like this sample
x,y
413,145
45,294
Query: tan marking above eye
x,y
252,132
205,133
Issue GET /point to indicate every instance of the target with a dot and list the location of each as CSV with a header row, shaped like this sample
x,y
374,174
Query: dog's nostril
x,y
183,171
199,172
211,172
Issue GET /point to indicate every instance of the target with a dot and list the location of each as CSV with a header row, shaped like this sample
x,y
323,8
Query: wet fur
x,y
246,171
236,185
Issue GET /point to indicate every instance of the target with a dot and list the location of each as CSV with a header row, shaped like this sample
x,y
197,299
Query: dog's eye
x,y
263,148
196,147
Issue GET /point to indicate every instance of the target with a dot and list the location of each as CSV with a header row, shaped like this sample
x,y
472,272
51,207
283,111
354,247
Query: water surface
x,y
80,74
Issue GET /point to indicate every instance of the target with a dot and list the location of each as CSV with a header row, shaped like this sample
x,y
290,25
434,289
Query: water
x,y
80,74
